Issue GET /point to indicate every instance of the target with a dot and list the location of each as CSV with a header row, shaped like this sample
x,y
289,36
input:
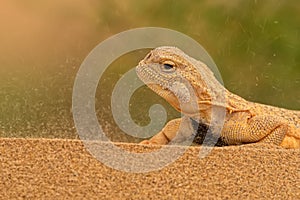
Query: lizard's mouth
x,y
148,76
160,90
166,94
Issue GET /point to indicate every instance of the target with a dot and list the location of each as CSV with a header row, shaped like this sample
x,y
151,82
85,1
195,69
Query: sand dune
x,y
48,169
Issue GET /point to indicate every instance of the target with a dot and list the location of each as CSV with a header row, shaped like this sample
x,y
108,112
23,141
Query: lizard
x,y
174,75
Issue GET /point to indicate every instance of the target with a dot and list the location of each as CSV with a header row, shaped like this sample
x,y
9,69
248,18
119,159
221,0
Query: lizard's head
x,y
175,76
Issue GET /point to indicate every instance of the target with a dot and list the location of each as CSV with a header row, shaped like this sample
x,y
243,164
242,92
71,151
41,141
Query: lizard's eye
x,y
168,66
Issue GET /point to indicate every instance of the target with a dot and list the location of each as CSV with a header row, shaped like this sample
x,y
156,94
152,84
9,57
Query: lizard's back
x,y
292,116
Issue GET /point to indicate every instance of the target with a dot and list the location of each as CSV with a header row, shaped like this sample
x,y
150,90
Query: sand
x,y
63,169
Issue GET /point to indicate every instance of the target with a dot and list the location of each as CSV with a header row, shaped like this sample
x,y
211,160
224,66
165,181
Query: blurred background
x,y
255,44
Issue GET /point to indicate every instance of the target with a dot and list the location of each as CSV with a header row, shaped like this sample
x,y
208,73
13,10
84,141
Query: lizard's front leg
x,y
180,128
265,128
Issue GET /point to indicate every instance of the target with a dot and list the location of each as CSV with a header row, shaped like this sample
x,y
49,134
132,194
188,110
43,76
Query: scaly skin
x,y
191,88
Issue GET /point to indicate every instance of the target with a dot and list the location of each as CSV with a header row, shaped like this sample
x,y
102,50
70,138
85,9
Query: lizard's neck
x,y
212,93
214,99
218,109
236,103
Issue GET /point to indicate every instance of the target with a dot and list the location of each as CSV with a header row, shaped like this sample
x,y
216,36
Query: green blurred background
x,y
255,44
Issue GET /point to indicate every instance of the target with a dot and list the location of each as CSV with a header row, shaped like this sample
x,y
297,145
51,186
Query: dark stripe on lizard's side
x,y
201,132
